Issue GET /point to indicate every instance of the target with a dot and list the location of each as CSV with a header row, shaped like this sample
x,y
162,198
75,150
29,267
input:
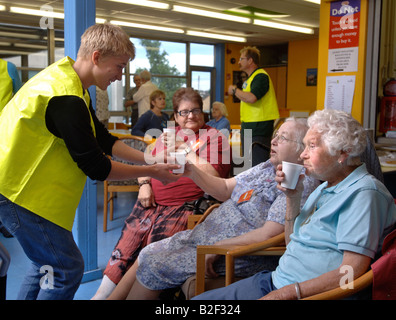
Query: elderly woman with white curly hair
x,y
219,114
340,227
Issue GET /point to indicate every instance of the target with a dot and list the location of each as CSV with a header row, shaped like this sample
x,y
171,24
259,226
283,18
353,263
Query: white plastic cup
x,y
180,159
292,172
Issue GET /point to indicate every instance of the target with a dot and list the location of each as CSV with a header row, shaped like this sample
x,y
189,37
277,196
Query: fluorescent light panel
x,y
282,26
313,1
2,8
145,3
44,13
215,36
146,26
210,14
40,13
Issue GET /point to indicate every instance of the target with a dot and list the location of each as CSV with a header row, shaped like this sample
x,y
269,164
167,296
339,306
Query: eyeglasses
x,y
282,139
241,58
185,113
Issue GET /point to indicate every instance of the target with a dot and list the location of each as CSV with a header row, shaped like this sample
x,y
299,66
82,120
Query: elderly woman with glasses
x,y
340,229
163,210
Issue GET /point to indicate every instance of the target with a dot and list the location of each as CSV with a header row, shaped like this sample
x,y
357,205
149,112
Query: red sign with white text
x,y
344,24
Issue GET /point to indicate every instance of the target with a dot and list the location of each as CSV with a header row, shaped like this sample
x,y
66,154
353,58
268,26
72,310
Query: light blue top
x,y
223,123
352,216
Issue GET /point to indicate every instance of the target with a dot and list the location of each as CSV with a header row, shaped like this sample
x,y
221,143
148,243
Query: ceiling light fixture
x,y
282,26
313,1
271,16
44,13
215,36
33,12
2,8
211,14
146,26
145,3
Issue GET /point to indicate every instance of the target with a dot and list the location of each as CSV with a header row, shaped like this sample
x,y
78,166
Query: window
x,y
167,63
202,55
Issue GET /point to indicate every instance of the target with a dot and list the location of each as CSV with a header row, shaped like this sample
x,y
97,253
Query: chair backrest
x,y
370,158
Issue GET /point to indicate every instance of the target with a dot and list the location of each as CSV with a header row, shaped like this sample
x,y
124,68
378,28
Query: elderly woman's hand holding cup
x,y
290,179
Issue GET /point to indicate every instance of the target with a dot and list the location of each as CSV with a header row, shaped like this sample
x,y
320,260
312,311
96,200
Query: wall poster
x,y
344,36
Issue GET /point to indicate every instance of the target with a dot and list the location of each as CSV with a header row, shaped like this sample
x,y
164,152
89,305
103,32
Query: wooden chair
x,y
118,126
197,284
110,188
273,246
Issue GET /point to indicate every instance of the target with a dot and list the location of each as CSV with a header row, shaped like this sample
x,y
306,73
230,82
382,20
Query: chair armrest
x,y
338,293
272,246
208,211
275,243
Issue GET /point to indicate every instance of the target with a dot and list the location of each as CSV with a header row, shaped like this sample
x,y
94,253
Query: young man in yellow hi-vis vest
x,y
259,107
50,141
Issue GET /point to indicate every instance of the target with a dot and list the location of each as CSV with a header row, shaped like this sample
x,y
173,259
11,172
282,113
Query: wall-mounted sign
x,y
344,36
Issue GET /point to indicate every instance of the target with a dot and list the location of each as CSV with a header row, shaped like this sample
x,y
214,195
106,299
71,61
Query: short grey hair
x,y
340,132
299,133
223,108
145,75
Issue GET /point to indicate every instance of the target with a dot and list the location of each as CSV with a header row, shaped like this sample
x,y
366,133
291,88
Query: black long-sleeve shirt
x,y
67,117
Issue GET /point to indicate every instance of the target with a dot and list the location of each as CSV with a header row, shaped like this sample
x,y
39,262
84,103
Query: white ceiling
x,y
300,13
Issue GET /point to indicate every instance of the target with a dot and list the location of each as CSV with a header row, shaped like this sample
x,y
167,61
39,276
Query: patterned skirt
x,y
142,227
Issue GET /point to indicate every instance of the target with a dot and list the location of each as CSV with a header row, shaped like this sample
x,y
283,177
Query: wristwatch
x,y
234,91
144,182
187,150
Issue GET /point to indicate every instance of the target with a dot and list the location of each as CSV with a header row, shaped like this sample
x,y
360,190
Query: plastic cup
x,y
180,159
292,172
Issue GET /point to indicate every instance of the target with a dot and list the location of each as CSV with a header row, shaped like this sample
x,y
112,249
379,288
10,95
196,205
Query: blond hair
x,y
108,39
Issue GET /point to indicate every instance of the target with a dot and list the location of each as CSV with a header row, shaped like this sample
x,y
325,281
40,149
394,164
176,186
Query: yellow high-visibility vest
x,y
263,109
5,84
37,171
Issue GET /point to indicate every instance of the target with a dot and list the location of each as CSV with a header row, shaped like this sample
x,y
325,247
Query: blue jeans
x,y
57,264
251,288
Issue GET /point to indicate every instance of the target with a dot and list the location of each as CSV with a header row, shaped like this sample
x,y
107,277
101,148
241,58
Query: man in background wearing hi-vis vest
x,y
259,107
50,141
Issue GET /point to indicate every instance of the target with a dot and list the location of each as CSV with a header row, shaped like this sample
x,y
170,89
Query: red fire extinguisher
x,y
388,107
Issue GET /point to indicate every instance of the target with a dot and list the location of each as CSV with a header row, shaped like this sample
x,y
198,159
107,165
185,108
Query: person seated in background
x,y
341,226
253,211
161,210
219,114
154,118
